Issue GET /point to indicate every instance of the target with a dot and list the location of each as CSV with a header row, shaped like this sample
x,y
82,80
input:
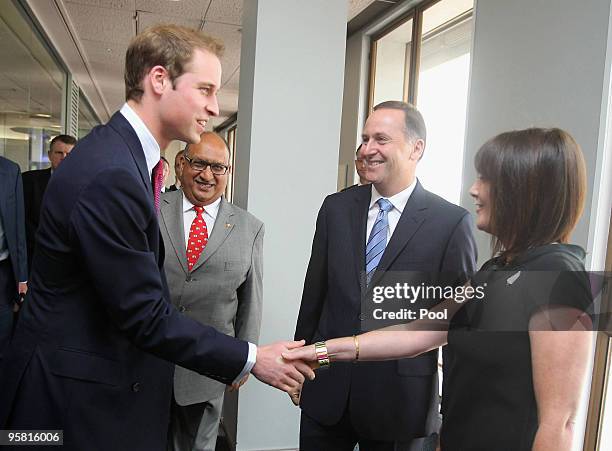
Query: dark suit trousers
x,y
8,292
341,436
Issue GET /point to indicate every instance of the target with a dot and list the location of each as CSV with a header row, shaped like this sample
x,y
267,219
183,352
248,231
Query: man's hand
x,y
239,384
22,289
272,369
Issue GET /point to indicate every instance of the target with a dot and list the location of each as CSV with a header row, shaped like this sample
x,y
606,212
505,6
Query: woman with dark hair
x,y
520,352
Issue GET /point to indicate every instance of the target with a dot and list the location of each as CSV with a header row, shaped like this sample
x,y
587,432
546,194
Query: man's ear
x,y
158,79
417,150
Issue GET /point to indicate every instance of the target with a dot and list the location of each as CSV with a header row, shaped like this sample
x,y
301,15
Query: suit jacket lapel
x,y
411,219
171,211
359,219
223,227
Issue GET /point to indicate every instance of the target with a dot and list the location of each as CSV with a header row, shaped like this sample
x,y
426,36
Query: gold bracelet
x,y
356,340
322,355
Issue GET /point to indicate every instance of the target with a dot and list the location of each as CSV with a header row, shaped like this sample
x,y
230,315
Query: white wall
x,y
291,82
539,63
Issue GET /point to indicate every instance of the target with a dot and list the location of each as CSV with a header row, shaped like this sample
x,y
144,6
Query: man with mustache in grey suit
x,y
213,266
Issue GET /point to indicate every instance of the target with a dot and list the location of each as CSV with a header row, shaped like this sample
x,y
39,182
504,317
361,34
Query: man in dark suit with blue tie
x,y
13,262
94,351
393,225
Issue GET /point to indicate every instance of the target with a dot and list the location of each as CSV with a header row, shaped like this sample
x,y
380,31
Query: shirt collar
x,y
398,200
211,210
147,141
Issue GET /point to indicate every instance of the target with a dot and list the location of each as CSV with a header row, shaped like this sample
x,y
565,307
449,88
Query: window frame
x,y
601,376
411,71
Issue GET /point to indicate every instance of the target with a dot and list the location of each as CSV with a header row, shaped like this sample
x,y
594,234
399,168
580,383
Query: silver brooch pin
x,y
510,280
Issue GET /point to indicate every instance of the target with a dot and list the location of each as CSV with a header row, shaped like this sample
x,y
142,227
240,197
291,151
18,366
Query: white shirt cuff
x,y
250,363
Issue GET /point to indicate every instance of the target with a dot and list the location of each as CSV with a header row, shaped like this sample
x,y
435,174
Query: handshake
x,y
279,365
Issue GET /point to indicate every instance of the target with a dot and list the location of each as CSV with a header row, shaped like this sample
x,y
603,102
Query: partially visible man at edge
x,y
178,168
94,349
35,184
360,167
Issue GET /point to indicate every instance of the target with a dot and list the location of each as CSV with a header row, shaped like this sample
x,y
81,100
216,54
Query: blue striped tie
x,y
378,238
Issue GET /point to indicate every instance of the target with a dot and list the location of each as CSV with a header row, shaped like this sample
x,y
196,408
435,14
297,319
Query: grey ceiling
x,y
104,28
92,37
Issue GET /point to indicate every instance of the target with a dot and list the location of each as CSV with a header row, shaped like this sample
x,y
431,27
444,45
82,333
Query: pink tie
x,y
158,179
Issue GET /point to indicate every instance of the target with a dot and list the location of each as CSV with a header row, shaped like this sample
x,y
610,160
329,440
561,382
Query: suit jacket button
x,y
361,317
136,387
182,309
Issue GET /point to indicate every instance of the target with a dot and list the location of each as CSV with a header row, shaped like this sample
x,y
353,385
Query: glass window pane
x,y
392,62
231,142
442,93
31,91
87,117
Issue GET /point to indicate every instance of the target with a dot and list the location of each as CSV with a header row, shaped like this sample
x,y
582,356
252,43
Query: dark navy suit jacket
x,y
34,187
94,349
11,213
386,400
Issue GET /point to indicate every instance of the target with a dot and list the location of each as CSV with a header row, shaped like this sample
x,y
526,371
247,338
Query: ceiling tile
x,y
101,24
231,37
146,20
193,9
225,11
234,82
228,102
112,4
104,52
356,6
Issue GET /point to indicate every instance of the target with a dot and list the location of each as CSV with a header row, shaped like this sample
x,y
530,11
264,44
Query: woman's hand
x,y
306,354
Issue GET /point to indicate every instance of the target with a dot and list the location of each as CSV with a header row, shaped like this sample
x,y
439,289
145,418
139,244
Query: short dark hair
x,y
66,139
170,46
537,187
414,123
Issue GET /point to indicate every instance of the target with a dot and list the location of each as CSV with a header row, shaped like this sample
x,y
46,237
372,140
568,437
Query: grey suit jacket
x,y
224,288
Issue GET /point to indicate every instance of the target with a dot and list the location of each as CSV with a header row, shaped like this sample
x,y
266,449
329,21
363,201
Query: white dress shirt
x,y
152,156
146,138
398,201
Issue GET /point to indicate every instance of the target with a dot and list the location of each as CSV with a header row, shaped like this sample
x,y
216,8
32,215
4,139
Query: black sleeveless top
x,y
489,402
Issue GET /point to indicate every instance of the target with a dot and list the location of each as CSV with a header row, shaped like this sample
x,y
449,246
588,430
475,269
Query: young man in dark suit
x,y
394,224
95,347
35,183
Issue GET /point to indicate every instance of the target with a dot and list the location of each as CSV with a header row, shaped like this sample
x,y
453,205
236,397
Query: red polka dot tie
x,y
198,238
